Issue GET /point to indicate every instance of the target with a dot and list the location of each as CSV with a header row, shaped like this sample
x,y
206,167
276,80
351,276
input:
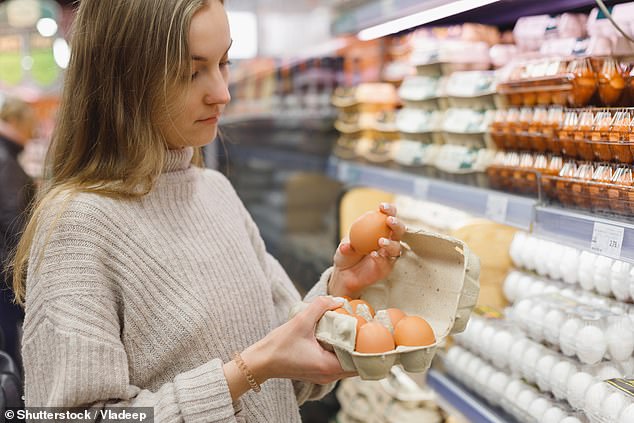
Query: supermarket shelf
x,y
604,236
300,119
472,407
278,158
504,208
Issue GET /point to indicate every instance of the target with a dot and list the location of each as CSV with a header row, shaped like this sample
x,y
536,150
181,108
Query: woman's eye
x,y
194,75
225,63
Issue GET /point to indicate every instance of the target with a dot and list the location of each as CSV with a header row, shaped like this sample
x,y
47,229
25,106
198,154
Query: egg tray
x,y
590,195
612,401
511,393
597,149
436,278
513,179
522,141
590,332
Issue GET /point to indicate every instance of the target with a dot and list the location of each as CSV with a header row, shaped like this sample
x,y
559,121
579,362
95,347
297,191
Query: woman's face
x,y
194,122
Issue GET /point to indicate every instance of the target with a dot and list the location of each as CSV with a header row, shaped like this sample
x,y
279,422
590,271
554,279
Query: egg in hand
x,y
366,231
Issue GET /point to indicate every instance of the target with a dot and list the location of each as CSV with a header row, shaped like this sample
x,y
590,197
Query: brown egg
x,y
360,322
355,303
413,331
366,231
373,337
395,315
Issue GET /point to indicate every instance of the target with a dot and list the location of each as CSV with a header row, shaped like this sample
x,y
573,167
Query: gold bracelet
x,y
246,372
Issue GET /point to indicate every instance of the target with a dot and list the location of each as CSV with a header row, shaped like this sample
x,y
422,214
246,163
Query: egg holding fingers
x,y
366,231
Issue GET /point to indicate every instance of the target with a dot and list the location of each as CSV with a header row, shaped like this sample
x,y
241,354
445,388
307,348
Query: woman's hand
x,y
291,351
354,271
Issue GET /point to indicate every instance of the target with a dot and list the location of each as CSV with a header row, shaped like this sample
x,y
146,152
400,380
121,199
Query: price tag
x,y
497,206
607,240
421,188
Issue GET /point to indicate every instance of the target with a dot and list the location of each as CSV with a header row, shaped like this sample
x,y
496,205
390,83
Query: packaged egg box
x,y
517,356
345,146
527,129
419,124
366,97
436,278
520,172
422,91
413,153
473,90
597,134
353,122
598,187
589,271
373,401
376,147
589,332
513,394
610,401
489,337
574,82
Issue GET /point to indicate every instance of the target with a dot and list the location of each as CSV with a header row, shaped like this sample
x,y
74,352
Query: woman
x,y
145,275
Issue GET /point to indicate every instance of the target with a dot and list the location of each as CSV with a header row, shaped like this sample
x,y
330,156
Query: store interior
x,y
502,130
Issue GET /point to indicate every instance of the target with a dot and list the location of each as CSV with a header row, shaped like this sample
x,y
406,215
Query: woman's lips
x,y
209,120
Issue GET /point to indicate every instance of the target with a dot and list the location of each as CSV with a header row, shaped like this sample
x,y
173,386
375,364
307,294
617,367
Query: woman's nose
x,y
218,92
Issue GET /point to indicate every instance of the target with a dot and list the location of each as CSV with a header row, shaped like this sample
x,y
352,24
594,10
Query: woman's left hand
x,y
354,271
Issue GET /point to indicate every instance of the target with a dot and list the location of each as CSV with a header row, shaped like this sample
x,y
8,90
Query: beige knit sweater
x,y
139,303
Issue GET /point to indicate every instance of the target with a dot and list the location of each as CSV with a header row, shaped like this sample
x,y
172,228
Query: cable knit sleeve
x,y
72,349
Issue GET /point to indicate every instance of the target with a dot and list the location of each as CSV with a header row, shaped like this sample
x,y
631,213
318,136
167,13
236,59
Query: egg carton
x,y
590,332
519,285
517,356
436,278
513,394
591,272
610,401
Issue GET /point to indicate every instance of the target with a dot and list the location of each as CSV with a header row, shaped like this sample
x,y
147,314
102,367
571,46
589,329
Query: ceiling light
x,y
47,27
421,18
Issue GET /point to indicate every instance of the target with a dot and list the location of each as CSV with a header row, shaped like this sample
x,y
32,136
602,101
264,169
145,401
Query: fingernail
x,y
385,206
374,254
339,300
384,241
392,220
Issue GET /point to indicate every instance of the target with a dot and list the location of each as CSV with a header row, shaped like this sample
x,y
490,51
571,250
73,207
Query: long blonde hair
x,y
129,58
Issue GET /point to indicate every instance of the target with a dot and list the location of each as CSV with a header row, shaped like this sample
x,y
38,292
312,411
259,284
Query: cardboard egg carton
x,y
436,278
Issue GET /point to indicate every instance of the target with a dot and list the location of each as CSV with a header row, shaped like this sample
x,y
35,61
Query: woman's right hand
x,y
291,351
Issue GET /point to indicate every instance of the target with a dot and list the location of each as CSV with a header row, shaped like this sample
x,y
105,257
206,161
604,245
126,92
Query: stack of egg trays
x,y
514,395
610,402
592,272
515,354
590,332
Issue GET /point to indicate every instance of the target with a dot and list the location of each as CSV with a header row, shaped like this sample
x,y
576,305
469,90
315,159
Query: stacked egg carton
x,y
591,272
447,108
517,397
579,317
395,399
562,381
366,122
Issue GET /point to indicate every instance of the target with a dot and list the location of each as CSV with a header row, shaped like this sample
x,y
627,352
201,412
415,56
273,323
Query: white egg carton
x,y
610,402
590,332
592,272
513,394
436,278
518,356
